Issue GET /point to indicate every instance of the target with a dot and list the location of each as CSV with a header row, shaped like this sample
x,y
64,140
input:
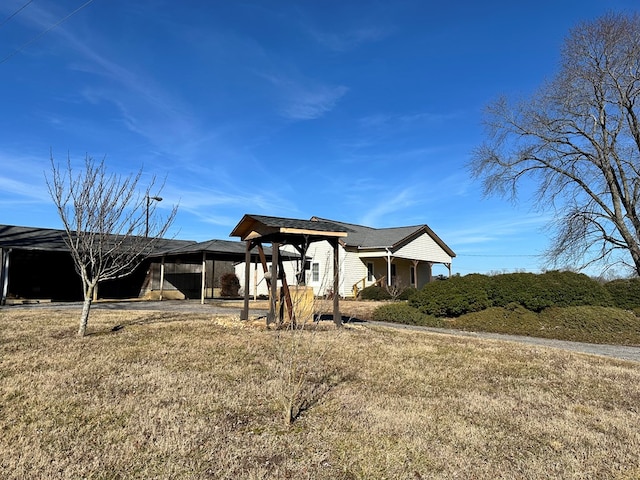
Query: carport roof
x,y
279,229
224,249
52,240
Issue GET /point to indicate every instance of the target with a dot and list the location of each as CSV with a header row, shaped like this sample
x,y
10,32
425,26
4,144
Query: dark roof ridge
x,y
420,225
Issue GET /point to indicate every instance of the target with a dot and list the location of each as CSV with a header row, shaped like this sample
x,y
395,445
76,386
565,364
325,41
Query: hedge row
x,y
473,293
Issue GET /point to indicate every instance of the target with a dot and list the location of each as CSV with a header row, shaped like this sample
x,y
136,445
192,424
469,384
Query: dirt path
x,y
620,352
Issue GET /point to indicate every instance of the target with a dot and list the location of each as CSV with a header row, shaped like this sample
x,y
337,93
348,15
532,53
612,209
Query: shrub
x,y
403,313
585,323
593,324
625,293
453,297
550,289
374,292
570,289
229,285
515,320
407,293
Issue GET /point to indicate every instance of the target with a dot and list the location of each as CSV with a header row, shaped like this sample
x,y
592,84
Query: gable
x,y
424,248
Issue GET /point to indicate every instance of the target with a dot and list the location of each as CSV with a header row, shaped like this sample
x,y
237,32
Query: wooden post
x,y
337,318
275,250
287,293
244,315
203,278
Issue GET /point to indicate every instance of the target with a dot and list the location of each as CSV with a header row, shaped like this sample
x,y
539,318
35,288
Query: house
x,y
397,257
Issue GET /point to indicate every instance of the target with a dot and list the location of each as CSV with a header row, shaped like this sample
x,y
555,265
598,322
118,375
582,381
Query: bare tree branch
x,y
105,218
578,140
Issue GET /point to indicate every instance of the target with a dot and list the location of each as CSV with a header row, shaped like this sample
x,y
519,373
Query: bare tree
x,y
578,140
110,225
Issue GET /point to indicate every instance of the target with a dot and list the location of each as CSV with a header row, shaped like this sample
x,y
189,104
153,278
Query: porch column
x,y
415,273
203,279
255,281
337,318
388,268
244,315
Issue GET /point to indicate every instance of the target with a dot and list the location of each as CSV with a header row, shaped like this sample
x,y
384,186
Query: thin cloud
x,y
349,40
305,101
385,121
399,202
496,230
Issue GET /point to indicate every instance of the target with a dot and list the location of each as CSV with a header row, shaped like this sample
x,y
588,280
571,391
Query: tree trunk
x,y
86,307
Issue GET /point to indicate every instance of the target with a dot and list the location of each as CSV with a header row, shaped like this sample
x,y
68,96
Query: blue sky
x,y
363,112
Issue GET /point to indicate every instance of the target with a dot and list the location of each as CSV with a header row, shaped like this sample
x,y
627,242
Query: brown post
x,y
244,315
285,290
275,250
337,318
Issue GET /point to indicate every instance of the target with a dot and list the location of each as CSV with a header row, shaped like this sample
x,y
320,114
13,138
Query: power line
x,y
26,44
15,13
497,255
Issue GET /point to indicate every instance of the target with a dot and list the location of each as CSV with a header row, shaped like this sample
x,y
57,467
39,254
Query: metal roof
x,y
52,240
364,237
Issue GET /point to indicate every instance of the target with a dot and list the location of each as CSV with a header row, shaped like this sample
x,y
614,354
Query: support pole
x,y
161,278
255,281
203,280
287,292
337,318
275,250
244,315
4,274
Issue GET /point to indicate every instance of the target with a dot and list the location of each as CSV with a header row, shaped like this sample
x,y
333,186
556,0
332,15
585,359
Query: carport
x,y
211,250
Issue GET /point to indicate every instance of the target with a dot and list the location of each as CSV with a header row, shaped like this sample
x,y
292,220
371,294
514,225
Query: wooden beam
x,y
317,233
275,250
287,293
244,315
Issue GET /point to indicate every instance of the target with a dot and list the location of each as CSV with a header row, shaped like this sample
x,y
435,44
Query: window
x,y
315,272
393,274
370,275
412,274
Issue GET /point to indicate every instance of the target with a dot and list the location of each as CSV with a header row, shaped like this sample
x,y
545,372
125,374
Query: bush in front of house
x,y
374,292
536,292
453,297
407,293
229,285
406,314
625,293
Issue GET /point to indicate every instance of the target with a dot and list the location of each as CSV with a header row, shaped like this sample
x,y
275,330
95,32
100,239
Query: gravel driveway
x,y
232,307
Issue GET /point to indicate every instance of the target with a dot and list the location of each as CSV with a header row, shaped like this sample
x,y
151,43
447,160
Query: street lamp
x,y
157,199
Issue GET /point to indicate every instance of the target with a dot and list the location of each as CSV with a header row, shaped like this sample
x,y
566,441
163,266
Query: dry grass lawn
x,y
190,396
